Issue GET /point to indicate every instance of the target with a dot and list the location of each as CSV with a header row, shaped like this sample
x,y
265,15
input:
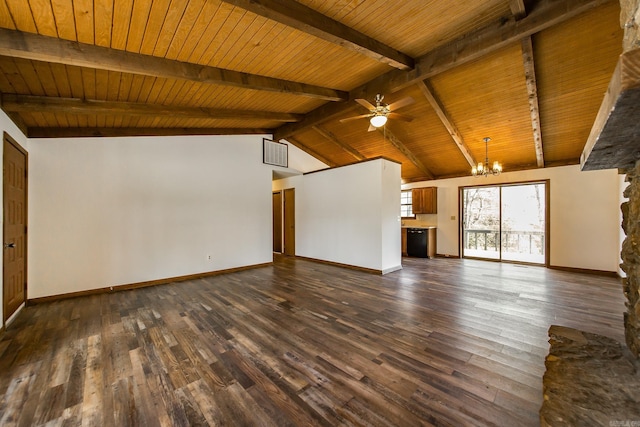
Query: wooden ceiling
x,y
529,74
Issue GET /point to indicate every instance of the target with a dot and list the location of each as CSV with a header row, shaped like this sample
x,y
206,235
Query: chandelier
x,y
482,169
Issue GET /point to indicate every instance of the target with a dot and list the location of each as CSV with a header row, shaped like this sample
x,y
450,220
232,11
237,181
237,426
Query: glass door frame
x,y
547,240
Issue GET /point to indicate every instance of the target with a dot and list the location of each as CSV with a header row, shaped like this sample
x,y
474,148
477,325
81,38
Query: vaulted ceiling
x,y
529,74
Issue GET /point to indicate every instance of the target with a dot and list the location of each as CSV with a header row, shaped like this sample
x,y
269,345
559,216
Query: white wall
x,y
112,211
349,215
584,214
301,161
6,125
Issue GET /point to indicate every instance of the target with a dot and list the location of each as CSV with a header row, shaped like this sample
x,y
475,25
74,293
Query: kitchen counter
x,y
424,227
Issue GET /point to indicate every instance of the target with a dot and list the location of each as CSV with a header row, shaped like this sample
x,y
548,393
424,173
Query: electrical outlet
x,y
209,257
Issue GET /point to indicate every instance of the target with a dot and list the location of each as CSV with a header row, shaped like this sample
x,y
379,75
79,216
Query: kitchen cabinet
x,y
424,200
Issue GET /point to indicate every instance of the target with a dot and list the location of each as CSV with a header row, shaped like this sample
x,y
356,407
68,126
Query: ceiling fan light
x,y
378,120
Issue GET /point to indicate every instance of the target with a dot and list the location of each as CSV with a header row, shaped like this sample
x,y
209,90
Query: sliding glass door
x,y
505,222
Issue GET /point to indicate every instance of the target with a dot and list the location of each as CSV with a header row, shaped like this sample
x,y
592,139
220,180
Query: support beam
x,y
470,47
517,8
305,19
49,49
37,132
389,136
532,90
331,137
446,120
311,152
44,104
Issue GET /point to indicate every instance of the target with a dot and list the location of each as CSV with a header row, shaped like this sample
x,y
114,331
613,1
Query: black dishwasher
x,y
417,242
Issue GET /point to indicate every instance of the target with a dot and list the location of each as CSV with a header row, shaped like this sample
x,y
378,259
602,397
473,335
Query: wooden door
x,y
290,222
277,221
15,227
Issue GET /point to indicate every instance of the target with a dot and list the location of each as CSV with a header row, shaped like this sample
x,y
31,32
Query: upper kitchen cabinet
x,y
425,200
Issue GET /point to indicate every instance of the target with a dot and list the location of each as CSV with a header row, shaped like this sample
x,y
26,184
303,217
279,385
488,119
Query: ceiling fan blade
x,y
401,103
371,128
366,104
348,119
402,117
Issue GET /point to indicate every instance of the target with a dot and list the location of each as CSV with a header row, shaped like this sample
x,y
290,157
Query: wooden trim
x,y
584,271
547,220
37,132
469,47
35,47
448,256
48,104
532,89
356,163
307,20
131,286
338,264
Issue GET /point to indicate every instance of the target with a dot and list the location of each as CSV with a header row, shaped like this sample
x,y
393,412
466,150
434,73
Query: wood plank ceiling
x,y
529,74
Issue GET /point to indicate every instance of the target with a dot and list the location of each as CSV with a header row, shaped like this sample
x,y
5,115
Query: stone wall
x,y
631,259
630,21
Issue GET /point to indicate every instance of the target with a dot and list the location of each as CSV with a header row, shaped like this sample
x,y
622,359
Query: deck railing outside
x,y
513,241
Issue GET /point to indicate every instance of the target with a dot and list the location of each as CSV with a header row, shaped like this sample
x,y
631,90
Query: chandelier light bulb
x,y
482,169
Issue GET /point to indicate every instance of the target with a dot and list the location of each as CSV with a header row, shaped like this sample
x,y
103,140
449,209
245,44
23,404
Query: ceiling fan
x,y
379,113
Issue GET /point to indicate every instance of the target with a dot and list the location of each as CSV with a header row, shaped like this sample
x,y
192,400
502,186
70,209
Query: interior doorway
x,y
277,221
290,222
14,267
506,222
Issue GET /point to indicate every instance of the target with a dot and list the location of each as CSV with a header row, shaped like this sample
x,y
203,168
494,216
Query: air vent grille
x,y
274,153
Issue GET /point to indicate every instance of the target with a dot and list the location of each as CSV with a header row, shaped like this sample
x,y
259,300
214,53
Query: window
x,y
406,210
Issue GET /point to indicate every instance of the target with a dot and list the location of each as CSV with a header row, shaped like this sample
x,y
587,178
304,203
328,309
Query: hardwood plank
x,y
302,343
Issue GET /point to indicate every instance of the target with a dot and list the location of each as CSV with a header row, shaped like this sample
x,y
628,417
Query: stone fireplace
x,y
591,379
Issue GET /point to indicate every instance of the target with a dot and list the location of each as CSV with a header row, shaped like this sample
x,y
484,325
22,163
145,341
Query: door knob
x,y
9,245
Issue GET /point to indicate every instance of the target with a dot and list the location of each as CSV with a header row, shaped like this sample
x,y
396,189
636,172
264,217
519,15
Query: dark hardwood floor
x,y
441,342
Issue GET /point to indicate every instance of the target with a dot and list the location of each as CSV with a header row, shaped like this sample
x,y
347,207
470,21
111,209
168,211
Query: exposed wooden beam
x,y
446,120
474,45
518,8
305,19
18,121
39,132
49,49
396,142
44,104
311,152
615,135
331,137
532,89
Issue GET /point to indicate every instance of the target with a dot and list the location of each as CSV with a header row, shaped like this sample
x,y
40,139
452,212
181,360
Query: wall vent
x,y
275,153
